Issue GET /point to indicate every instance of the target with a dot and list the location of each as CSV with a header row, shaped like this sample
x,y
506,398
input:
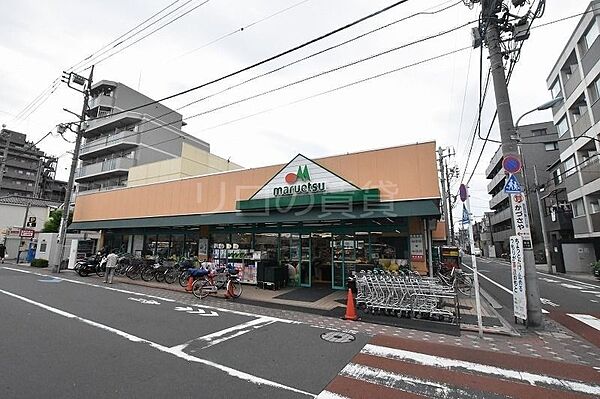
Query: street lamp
x,y
545,106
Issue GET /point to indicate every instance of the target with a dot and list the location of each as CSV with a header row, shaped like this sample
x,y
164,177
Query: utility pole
x,y
445,204
543,222
7,136
450,196
490,9
62,234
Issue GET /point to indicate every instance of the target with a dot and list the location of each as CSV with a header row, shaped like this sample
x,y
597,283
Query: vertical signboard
x,y
517,266
417,254
521,219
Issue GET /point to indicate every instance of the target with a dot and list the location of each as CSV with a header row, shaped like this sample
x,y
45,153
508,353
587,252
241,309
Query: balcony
x,y
563,221
580,225
110,123
563,143
501,216
590,170
582,125
503,235
572,182
498,198
495,159
573,82
101,100
591,57
123,140
500,176
116,166
596,111
11,185
21,165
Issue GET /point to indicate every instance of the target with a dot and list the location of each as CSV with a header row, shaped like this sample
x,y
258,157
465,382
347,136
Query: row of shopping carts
x,y
406,294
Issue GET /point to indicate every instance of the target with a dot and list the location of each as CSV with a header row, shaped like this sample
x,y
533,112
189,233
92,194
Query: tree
x,y
53,222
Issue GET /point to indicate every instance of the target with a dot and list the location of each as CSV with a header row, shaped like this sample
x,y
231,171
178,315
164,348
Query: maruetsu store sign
x,y
299,183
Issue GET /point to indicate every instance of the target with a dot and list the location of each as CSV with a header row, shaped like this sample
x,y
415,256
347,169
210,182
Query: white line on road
x,y
330,395
172,351
568,279
586,319
237,312
491,281
461,365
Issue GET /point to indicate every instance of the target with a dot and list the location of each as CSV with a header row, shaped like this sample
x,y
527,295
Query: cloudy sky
x,y
420,103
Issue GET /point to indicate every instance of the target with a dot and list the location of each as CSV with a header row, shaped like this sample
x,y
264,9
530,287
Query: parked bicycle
x,y
208,283
453,277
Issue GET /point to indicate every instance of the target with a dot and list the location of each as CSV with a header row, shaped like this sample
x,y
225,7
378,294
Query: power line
x,y
264,61
303,59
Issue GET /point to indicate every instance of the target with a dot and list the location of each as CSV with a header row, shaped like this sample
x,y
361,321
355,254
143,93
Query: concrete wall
x,y
578,257
12,215
193,162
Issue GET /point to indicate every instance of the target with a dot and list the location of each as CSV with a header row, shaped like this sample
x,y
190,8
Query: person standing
x,y
2,252
111,264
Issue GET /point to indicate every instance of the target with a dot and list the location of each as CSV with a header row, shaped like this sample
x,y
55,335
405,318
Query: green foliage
x,y
53,223
39,263
596,267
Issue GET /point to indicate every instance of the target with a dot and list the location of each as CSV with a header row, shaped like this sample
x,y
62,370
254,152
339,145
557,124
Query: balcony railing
x,y
497,158
595,221
124,138
573,82
572,182
498,198
106,167
105,101
590,170
591,57
582,125
501,216
500,176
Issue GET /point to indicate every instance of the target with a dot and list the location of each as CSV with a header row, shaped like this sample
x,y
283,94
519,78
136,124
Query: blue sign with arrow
x,y
512,185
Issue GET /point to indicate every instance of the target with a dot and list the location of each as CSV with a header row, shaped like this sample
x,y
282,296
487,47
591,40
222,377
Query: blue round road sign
x,y
462,191
511,164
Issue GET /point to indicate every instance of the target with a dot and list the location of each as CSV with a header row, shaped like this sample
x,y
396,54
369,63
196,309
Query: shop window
x,y
163,243
388,249
150,245
266,244
191,245
177,245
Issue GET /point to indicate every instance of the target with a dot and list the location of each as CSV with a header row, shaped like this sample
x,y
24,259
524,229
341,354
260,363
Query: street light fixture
x,y
517,137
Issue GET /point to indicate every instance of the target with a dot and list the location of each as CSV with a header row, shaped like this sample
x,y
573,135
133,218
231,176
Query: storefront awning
x,y
346,211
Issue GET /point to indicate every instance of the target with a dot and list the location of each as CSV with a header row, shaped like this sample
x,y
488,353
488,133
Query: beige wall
x,y
401,173
193,162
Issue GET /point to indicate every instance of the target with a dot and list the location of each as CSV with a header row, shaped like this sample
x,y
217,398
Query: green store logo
x,y
304,186
301,175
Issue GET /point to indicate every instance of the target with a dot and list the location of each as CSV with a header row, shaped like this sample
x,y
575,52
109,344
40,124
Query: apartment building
x,y
127,129
540,148
576,78
28,171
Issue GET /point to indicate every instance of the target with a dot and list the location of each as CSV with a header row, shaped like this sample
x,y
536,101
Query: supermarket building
x,y
327,217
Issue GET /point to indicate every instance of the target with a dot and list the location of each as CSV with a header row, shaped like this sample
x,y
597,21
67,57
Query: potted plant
x,y
596,268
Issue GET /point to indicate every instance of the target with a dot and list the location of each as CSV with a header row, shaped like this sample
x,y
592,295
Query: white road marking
x,y
145,301
571,286
175,351
330,395
570,280
546,301
593,300
201,312
591,292
490,280
224,310
461,365
586,319
549,280
544,311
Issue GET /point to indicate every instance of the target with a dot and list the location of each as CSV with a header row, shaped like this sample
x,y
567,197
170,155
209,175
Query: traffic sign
x,y
512,163
26,233
512,185
465,217
463,193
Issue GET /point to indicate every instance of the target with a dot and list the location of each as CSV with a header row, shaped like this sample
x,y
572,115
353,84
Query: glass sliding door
x,y
305,264
337,262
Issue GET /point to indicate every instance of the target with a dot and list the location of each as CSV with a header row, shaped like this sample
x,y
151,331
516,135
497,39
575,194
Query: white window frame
x,y
554,145
570,169
588,41
562,123
557,176
578,208
555,89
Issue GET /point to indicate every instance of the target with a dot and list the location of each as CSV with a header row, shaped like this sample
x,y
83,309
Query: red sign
x,y
26,233
512,164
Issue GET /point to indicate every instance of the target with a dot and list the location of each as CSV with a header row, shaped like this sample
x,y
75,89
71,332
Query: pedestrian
x,y
111,264
2,252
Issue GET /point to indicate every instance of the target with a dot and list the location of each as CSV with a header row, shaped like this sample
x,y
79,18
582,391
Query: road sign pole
x,y
464,195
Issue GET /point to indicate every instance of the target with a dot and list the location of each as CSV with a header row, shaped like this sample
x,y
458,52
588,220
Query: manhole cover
x,y
337,337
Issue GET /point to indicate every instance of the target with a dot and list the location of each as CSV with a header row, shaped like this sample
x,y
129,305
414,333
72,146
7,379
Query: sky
x,y
435,100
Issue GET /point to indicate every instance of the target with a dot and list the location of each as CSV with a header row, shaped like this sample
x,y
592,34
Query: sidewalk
x,y
553,342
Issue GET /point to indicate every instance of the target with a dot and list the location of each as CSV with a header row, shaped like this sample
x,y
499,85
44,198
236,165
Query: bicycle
x,y
208,284
455,278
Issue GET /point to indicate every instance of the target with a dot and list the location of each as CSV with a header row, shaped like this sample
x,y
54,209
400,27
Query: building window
x,y
551,146
578,209
562,126
539,132
594,205
555,89
570,166
591,35
20,172
557,176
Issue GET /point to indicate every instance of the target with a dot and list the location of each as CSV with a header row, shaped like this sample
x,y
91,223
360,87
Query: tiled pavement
x,y
553,342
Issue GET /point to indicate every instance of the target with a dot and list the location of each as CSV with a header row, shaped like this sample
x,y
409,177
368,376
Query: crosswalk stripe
x,y
465,366
586,319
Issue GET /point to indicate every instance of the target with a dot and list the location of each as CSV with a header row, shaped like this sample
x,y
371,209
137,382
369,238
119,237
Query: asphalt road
x,y
73,339
560,295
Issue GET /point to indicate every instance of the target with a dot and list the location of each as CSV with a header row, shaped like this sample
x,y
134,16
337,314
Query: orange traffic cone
x,y
350,308
190,283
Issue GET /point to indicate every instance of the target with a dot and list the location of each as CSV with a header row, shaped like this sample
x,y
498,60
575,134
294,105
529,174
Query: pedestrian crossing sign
x,y
512,185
